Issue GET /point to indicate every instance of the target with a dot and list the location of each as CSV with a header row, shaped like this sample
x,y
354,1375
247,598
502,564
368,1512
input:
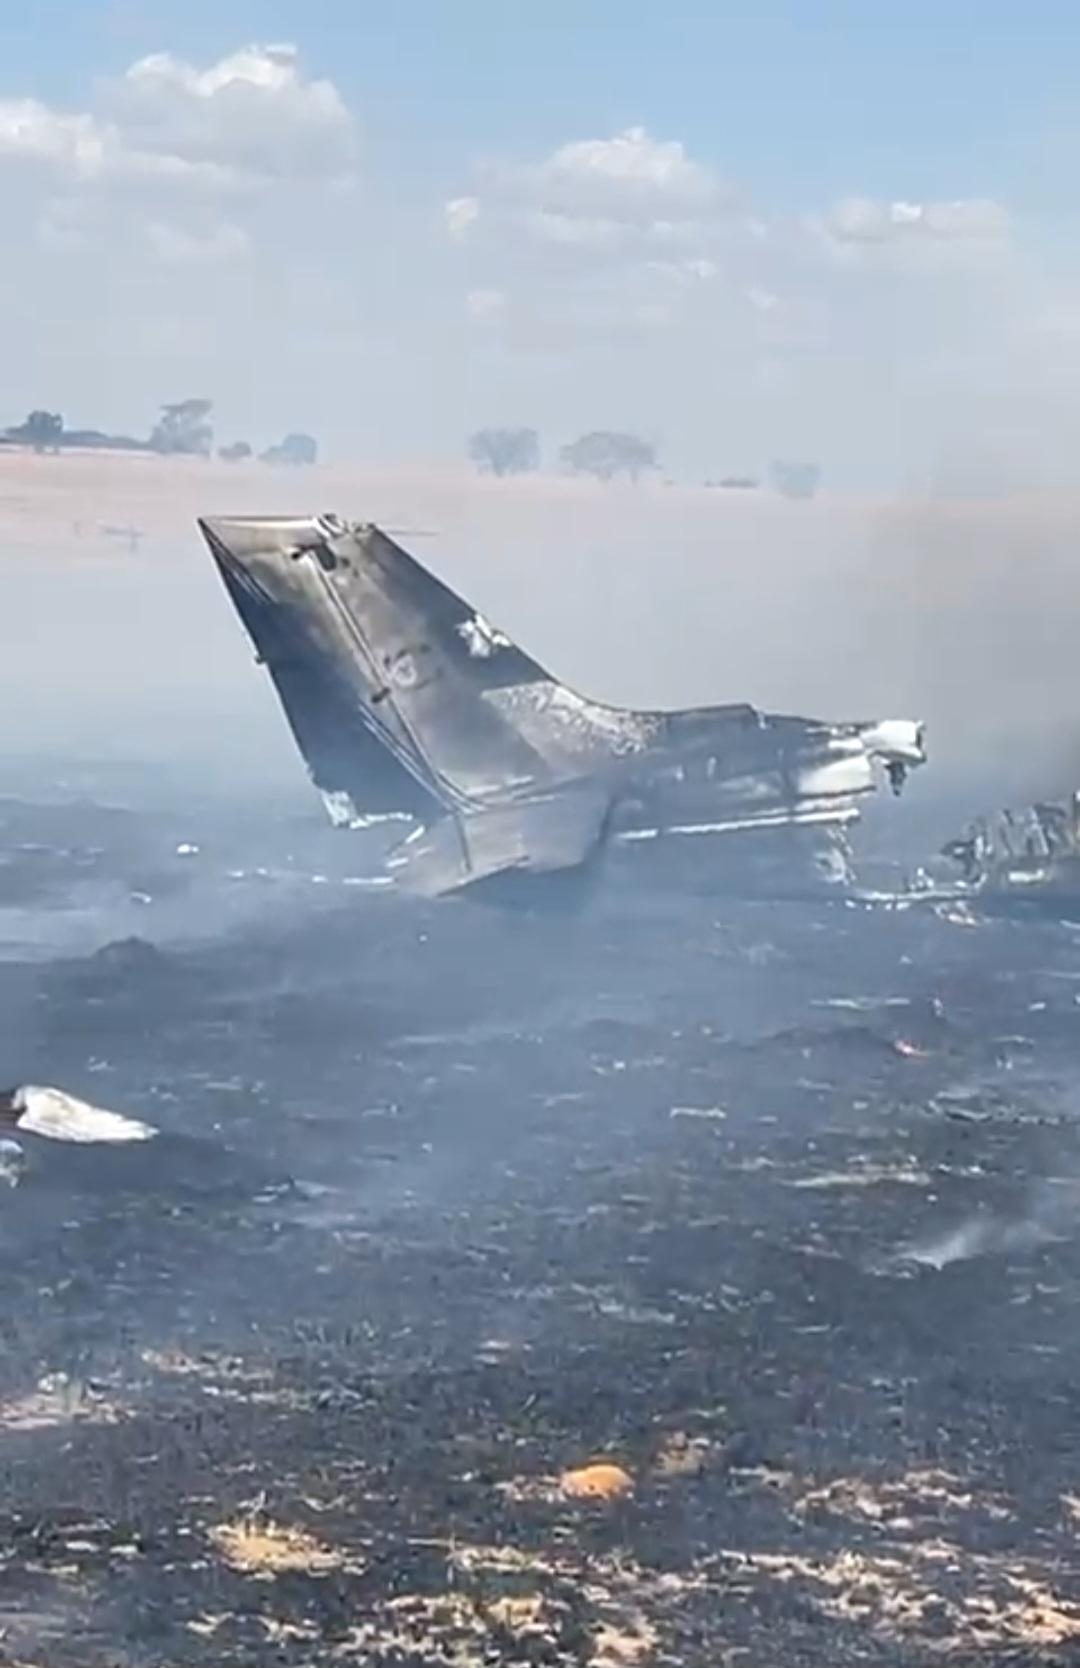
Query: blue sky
x,y
931,96
799,106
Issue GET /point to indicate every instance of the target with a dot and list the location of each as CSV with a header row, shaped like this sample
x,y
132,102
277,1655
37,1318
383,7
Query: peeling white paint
x,y
343,813
340,808
481,638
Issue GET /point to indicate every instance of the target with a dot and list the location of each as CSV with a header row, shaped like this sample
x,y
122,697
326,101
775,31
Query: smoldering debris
x,y
1022,859
1050,1212
979,1236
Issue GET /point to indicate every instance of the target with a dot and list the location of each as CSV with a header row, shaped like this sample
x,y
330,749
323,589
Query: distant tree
x,y
236,453
297,450
505,451
43,430
795,480
605,454
184,429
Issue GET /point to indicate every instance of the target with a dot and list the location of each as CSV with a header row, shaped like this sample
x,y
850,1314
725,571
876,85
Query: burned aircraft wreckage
x,y
1023,857
406,704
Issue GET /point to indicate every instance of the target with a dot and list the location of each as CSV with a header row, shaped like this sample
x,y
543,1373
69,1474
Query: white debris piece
x,y
57,1116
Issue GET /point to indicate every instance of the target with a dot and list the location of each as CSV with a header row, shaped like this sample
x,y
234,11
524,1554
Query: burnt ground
x,y
774,1209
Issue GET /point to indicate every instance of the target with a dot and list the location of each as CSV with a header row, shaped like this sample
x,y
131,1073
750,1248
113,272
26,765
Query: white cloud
x,y
612,195
624,233
631,178
32,131
253,114
178,165
637,202
251,118
863,220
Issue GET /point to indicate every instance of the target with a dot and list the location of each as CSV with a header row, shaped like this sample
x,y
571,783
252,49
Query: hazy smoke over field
x,y
957,611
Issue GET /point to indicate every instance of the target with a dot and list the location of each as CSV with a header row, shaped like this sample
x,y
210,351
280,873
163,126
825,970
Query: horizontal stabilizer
x,y
542,834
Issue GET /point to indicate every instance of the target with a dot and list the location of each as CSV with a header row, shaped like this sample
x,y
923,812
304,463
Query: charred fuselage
x,y
406,703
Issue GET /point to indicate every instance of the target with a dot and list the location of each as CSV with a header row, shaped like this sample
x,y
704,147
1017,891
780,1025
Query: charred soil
x,y
685,1284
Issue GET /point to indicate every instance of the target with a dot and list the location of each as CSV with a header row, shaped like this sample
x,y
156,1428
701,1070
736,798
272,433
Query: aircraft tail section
x,y
457,671
359,776
408,658
407,593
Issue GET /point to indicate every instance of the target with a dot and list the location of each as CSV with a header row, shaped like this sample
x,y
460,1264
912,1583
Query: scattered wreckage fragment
x,y
407,705
1024,856
53,1115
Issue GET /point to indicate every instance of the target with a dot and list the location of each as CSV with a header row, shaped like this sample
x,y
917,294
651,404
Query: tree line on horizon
x,y
609,453
184,429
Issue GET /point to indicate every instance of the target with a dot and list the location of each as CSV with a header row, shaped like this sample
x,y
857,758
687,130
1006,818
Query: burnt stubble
x,y
772,1209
